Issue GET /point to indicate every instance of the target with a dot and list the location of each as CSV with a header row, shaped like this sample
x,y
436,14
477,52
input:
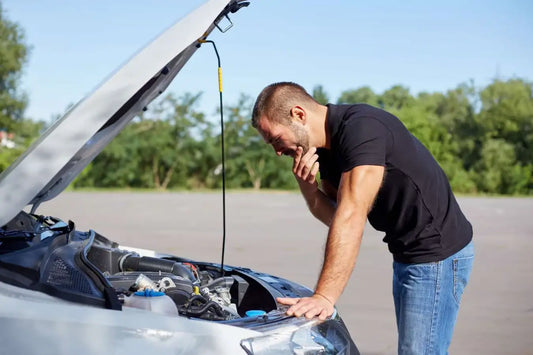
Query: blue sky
x,y
340,44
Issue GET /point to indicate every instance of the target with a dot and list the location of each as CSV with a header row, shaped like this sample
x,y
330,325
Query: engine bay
x,y
197,290
46,254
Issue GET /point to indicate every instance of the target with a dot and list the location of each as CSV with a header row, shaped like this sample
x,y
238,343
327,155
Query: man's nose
x,y
277,149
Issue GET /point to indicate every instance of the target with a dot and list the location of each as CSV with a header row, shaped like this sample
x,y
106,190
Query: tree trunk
x,y
257,184
155,172
168,176
255,175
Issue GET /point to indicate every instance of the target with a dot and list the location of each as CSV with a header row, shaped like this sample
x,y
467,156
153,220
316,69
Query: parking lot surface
x,y
274,233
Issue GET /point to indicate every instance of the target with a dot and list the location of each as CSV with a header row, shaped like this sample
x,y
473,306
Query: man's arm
x,y
357,192
305,169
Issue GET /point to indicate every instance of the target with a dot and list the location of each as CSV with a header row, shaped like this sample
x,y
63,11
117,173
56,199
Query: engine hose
x,y
200,298
225,281
145,263
200,312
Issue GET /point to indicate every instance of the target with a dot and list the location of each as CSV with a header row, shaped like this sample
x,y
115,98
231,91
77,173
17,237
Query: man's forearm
x,y
342,249
320,205
358,189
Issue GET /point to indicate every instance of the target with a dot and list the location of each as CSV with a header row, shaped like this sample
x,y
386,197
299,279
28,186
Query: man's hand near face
x,y
305,167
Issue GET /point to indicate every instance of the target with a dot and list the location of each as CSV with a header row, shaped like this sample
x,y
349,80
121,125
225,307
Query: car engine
x,y
195,293
46,254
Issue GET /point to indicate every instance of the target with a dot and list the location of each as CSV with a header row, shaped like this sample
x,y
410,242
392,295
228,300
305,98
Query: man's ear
x,y
298,113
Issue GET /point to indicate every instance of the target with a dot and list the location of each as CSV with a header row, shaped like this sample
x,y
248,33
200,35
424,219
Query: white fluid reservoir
x,y
151,300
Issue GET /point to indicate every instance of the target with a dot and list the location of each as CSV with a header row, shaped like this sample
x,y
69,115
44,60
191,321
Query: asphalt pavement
x,y
274,233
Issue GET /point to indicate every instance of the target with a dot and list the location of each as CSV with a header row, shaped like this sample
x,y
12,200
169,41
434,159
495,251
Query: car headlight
x,y
312,337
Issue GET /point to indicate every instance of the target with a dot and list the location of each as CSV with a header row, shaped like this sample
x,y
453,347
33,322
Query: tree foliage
x,y
482,137
20,130
13,55
320,95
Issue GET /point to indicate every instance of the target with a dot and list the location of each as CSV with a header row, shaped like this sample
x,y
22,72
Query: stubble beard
x,y
301,136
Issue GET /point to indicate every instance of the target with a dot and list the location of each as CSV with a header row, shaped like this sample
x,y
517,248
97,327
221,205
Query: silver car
x,y
66,291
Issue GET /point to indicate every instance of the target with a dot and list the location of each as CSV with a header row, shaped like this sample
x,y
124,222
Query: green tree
x,y
162,148
320,95
13,56
179,148
498,171
451,116
363,94
396,98
506,125
507,113
455,110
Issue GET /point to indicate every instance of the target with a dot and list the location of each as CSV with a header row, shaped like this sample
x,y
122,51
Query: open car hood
x,y
50,164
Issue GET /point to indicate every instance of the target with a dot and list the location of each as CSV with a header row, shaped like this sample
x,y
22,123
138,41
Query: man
x,y
372,167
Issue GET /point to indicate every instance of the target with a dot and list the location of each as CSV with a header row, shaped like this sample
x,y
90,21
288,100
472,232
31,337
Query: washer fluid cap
x,y
149,293
255,313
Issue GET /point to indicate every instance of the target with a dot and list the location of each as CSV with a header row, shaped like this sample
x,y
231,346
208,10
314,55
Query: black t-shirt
x,y
415,206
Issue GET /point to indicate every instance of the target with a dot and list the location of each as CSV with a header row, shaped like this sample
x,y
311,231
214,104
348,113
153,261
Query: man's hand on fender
x,y
316,305
305,166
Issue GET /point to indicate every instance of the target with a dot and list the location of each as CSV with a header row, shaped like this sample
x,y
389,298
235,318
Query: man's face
x,y
284,138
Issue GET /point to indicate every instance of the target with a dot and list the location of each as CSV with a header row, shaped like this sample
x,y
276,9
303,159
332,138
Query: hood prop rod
x,y
223,150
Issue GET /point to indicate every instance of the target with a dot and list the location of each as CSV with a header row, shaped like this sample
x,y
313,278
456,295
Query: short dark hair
x,y
276,100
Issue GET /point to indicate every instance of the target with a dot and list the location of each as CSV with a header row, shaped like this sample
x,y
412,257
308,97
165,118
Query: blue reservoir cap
x,y
254,313
149,293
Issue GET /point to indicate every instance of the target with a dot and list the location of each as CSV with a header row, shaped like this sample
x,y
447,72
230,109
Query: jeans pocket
x,y
461,273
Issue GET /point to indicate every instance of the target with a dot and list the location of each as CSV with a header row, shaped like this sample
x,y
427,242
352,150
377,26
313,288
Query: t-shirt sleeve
x,y
362,141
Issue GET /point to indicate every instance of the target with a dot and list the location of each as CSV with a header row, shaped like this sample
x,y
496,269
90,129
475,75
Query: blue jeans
x,y
426,300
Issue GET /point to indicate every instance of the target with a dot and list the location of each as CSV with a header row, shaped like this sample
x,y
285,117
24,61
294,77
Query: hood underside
x,y
66,148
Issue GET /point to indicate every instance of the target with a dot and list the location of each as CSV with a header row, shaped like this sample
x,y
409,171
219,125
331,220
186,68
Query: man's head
x,y
280,115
